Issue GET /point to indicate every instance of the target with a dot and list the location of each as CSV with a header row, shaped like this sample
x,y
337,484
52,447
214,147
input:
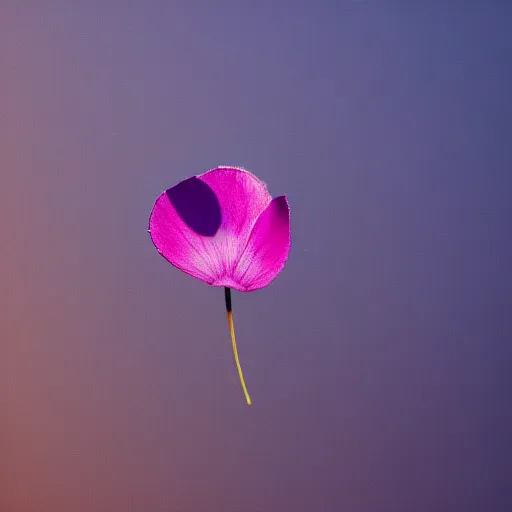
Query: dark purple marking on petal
x,y
197,205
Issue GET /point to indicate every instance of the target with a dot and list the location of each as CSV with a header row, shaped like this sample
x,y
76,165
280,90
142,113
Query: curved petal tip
x,y
268,247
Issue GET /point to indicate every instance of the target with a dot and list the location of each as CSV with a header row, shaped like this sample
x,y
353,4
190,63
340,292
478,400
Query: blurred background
x,y
379,361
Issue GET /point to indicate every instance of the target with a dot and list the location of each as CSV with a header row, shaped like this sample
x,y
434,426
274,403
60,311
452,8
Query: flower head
x,y
224,228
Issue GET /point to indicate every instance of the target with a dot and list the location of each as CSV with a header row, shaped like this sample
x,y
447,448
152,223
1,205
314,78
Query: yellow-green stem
x,y
233,341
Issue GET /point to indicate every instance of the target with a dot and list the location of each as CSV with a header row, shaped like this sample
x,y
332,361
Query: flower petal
x,y
184,218
267,249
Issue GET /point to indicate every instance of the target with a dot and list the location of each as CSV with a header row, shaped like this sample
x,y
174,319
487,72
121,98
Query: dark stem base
x,y
227,295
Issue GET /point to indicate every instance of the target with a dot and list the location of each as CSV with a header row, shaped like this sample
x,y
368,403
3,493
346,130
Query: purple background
x,y
379,361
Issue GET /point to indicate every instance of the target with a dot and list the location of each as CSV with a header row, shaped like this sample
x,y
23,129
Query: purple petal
x,y
267,249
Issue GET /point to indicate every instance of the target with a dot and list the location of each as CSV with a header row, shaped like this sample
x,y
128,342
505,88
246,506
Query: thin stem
x,y
227,294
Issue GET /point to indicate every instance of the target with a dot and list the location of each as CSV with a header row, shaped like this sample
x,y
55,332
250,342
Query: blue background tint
x,y
378,361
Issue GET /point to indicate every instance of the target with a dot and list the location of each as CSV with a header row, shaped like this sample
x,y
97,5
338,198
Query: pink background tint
x,y
378,361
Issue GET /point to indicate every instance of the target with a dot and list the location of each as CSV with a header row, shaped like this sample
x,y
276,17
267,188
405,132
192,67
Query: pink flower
x,y
224,228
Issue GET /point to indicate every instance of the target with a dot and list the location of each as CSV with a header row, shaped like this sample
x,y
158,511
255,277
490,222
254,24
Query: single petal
x,y
267,248
183,219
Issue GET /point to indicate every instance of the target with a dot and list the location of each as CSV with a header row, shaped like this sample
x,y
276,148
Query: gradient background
x,y
379,361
